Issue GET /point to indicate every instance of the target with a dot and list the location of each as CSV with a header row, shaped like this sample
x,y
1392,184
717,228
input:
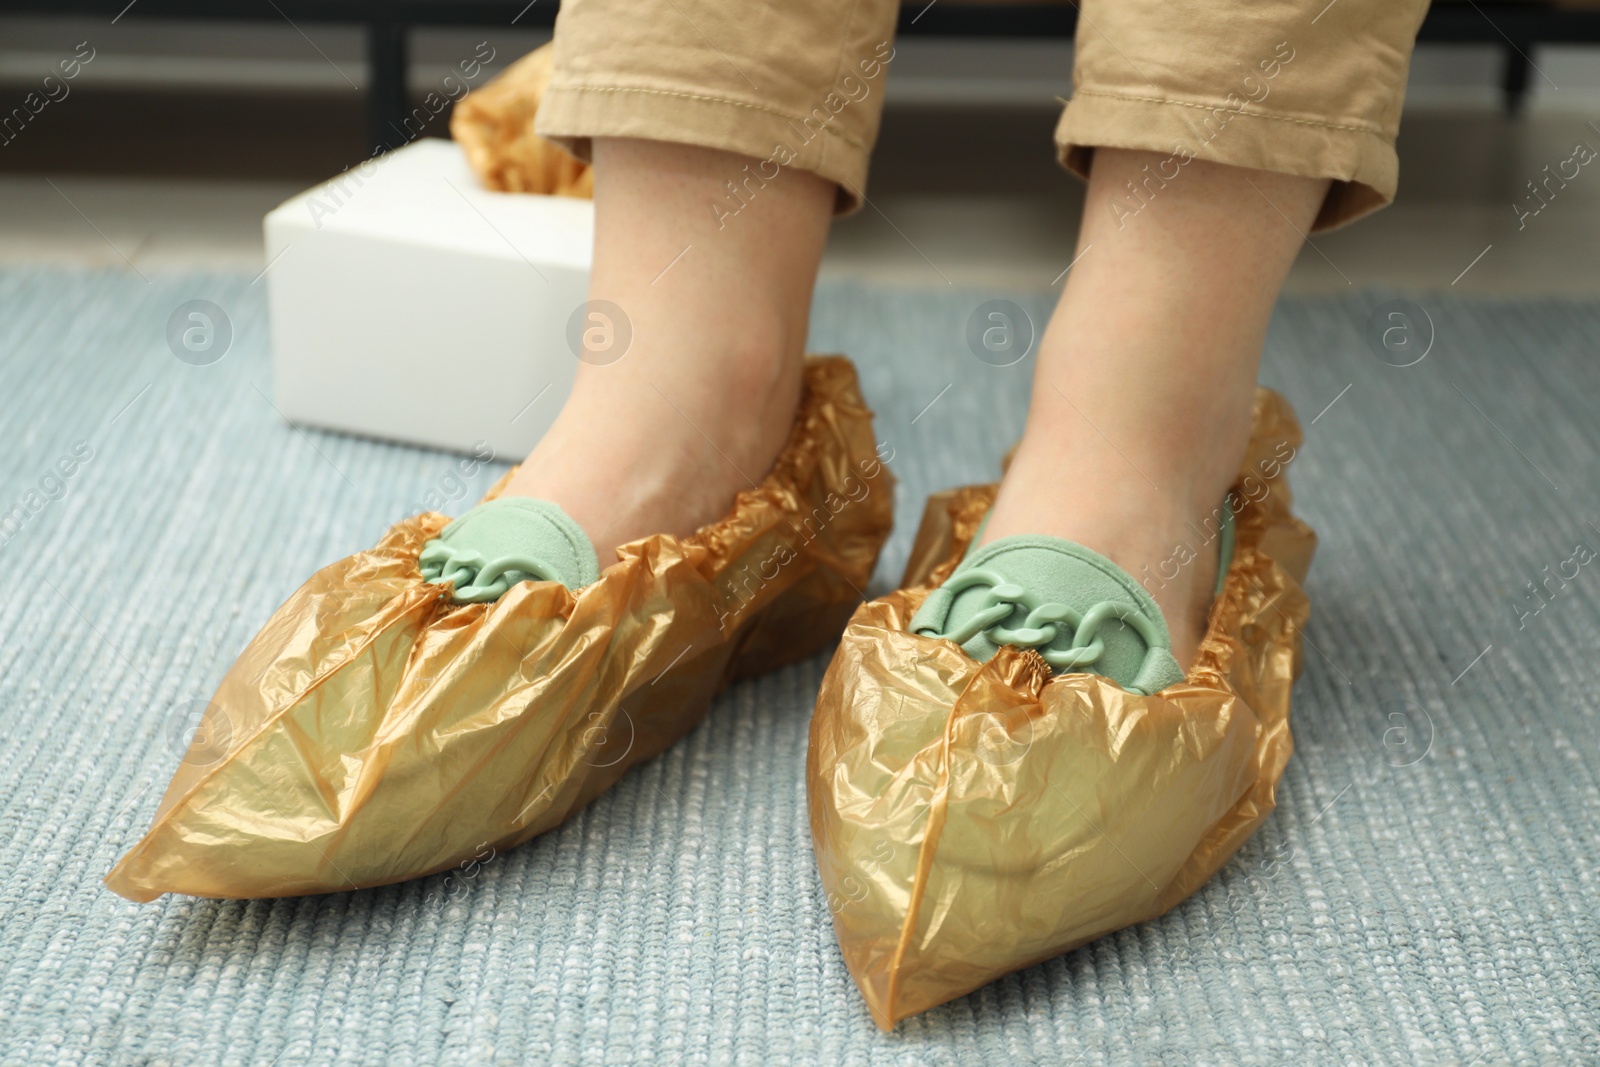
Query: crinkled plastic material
x,y
374,731
494,125
973,819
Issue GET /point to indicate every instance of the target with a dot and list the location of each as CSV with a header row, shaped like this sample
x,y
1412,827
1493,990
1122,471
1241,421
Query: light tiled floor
x,y
136,222
968,197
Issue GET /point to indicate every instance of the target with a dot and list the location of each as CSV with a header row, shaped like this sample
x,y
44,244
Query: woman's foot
x,y
1067,481
659,438
1146,373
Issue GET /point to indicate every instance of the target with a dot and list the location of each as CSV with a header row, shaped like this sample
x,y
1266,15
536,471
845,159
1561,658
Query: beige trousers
x,y
1299,86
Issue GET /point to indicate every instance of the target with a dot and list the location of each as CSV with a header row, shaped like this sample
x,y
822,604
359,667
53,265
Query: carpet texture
x,y
1425,893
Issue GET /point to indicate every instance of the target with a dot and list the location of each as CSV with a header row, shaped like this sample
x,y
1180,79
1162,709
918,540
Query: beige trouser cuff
x,y
1362,162
1306,87
800,84
573,115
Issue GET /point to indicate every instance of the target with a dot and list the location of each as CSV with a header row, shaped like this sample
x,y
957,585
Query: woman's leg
x,y
1146,373
723,138
697,407
1214,136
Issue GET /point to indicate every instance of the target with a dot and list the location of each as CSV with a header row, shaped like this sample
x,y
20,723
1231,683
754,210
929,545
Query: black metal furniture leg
x,y
1514,76
386,85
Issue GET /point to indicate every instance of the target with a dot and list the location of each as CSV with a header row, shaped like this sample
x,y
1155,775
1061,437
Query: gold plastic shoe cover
x,y
973,819
374,731
494,126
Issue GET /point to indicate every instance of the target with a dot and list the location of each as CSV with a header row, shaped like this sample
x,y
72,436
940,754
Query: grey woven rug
x,y
1426,892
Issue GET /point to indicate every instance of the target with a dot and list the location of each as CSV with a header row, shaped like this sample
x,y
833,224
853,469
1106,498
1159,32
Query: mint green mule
x,y
1077,609
508,540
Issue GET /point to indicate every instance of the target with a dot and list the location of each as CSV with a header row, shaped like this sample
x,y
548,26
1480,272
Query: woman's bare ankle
x,y
661,438
1157,517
